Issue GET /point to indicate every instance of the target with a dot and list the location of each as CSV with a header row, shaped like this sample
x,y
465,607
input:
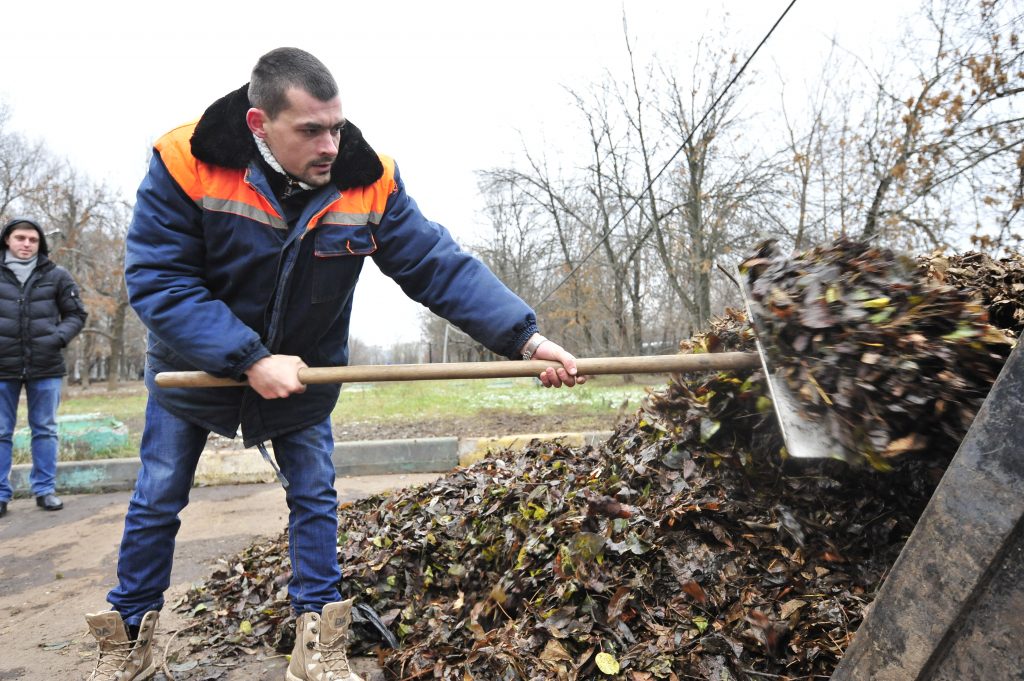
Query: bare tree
x,y
553,208
111,319
671,179
716,189
87,223
945,147
812,203
620,213
514,248
24,168
73,206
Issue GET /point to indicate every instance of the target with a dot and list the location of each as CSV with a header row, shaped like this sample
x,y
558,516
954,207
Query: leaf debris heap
x,y
682,548
889,359
998,284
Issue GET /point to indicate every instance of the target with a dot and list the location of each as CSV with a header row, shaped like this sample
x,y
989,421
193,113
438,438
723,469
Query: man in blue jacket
x,y
249,234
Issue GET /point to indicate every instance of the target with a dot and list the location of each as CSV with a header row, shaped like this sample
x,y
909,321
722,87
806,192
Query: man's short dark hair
x,y
286,67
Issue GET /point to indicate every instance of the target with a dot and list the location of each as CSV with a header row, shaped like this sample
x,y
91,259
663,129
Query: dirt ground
x,y
55,567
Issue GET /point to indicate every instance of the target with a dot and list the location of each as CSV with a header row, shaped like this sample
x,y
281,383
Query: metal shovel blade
x,y
805,437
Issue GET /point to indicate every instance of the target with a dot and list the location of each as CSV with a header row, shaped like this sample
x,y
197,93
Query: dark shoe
x,y
3,508
49,502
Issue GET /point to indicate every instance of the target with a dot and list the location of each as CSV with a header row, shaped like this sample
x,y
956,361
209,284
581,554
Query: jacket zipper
x,y
285,262
26,323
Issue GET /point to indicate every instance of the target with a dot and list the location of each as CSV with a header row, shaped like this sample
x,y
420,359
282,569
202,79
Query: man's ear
x,y
255,119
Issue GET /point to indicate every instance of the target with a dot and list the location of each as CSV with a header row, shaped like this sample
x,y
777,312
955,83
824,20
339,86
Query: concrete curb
x,y
238,466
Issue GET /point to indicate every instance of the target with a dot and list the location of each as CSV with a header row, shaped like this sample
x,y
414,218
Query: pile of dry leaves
x,y
890,361
682,548
998,284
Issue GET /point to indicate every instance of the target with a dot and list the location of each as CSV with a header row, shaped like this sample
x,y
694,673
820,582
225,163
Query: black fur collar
x,y
222,138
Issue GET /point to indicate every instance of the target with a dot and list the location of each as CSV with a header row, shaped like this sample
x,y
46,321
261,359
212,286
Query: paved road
x,y
54,567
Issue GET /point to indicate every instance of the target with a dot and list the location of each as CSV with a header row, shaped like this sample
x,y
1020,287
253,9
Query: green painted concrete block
x,y
80,435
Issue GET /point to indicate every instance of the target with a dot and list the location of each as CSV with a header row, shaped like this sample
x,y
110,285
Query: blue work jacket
x,y
221,280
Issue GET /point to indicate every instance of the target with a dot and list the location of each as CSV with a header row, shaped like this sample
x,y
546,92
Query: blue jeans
x,y
170,452
43,399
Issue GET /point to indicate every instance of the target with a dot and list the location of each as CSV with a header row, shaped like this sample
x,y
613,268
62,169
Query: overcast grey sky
x,y
447,88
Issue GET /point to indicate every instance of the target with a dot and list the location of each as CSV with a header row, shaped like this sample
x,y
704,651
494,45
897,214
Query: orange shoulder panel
x,y
372,198
176,152
380,190
200,180
361,205
388,178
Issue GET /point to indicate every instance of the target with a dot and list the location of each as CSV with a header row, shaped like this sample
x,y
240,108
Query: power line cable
x,y
671,159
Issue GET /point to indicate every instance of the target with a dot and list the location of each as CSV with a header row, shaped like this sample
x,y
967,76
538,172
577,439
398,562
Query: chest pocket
x,y
338,252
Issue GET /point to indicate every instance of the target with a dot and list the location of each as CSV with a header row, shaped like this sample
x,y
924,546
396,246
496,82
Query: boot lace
x,y
113,657
334,659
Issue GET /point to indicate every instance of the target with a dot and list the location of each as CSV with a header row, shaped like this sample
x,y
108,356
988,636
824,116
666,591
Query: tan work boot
x,y
121,659
320,643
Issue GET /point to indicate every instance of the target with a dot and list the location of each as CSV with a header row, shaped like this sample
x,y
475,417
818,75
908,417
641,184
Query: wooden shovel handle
x,y
371,373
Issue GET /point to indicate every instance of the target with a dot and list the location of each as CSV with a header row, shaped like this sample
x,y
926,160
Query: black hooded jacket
x,y
39,318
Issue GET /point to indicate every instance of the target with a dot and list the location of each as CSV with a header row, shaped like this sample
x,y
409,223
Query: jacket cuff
x,y
522,335
237,370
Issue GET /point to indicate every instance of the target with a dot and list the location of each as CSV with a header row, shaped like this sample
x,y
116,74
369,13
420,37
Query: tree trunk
x,y
116,345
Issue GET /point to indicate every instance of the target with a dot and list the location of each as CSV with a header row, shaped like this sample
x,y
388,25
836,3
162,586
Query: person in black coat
x,y
40,312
